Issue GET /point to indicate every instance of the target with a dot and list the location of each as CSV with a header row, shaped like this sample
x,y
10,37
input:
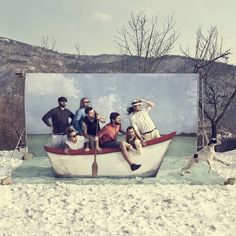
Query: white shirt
x,y
141,120
74,146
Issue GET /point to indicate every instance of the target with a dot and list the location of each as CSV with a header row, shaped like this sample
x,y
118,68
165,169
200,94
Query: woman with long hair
x,y
80,114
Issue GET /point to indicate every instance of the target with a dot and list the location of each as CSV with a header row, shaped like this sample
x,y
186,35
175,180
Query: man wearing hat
x,y
59,122
141,121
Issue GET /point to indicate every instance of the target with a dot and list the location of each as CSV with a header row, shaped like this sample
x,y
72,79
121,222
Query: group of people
x,y
82,129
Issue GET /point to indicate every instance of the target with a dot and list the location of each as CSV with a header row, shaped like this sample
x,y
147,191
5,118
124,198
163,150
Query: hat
x,y
62,99
136,102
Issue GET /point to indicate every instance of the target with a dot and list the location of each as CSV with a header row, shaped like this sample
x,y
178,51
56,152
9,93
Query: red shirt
x,y
109,133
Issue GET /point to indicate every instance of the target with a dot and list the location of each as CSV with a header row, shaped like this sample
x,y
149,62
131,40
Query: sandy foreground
x,y
155,209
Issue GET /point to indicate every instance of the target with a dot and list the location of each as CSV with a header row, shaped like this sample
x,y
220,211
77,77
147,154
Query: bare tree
x,y
47,55
218,97
78,49
79,54
208,49
146,40
217,89
48,44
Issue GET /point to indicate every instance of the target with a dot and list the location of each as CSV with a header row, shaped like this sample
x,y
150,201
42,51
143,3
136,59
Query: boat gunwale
x,y
106,150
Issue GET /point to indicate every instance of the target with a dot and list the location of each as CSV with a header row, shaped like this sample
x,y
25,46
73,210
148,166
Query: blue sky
x,y
93,23
175,96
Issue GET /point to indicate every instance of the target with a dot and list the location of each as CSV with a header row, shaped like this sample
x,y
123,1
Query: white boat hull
x,y
110,164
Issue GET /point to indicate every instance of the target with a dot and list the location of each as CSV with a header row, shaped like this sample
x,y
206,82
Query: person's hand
x,y
96,138
139,99
97,116
143,142
131,148
66,151
99,150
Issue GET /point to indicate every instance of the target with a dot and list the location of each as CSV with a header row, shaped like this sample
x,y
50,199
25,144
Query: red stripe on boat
x,y
106,150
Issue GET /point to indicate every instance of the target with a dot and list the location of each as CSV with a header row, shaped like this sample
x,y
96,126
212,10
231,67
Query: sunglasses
x,y
86,101
73,136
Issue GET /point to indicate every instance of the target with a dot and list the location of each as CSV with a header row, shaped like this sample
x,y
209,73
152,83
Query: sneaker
x,y
134,166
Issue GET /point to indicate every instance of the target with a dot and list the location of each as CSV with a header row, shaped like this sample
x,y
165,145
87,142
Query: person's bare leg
x,y
123,148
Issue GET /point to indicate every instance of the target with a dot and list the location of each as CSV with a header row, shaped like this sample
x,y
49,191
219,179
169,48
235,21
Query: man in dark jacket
x,y
59,122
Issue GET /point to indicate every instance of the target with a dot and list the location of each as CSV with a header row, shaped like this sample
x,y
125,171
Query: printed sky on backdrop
x,y
175,96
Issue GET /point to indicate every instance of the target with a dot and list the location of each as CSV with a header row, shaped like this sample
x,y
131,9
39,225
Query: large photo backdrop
x,y
175,96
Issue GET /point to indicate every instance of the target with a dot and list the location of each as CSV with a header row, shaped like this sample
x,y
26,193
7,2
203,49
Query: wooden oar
x,y
95,165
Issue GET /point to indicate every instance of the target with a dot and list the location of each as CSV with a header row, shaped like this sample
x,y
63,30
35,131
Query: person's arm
x,y
149,103
78,120
138,145
122,131
85,132
66,148
101,119
75,121
101,132
46,118
71,115
78,115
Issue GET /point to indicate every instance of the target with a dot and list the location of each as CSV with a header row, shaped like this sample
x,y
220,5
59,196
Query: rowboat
x,y
110,162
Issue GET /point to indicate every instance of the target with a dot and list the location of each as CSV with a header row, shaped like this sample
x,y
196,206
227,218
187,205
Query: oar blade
x,y
94,169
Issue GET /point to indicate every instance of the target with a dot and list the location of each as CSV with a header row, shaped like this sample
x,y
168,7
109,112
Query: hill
x,y
17,57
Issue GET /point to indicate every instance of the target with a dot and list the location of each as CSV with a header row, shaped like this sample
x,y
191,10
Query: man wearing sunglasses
x,y
59,122
73,141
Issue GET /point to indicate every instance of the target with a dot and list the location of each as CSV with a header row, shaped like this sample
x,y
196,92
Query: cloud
x,y
102,17
175,98
111,102
54,86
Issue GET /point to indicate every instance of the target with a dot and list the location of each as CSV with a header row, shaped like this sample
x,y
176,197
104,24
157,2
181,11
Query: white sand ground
x,y
68,209
9,161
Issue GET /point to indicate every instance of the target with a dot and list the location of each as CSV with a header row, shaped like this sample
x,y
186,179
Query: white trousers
x,y
58,140
154,134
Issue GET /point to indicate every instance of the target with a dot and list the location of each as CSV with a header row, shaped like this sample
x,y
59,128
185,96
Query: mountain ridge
x,y
17,57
